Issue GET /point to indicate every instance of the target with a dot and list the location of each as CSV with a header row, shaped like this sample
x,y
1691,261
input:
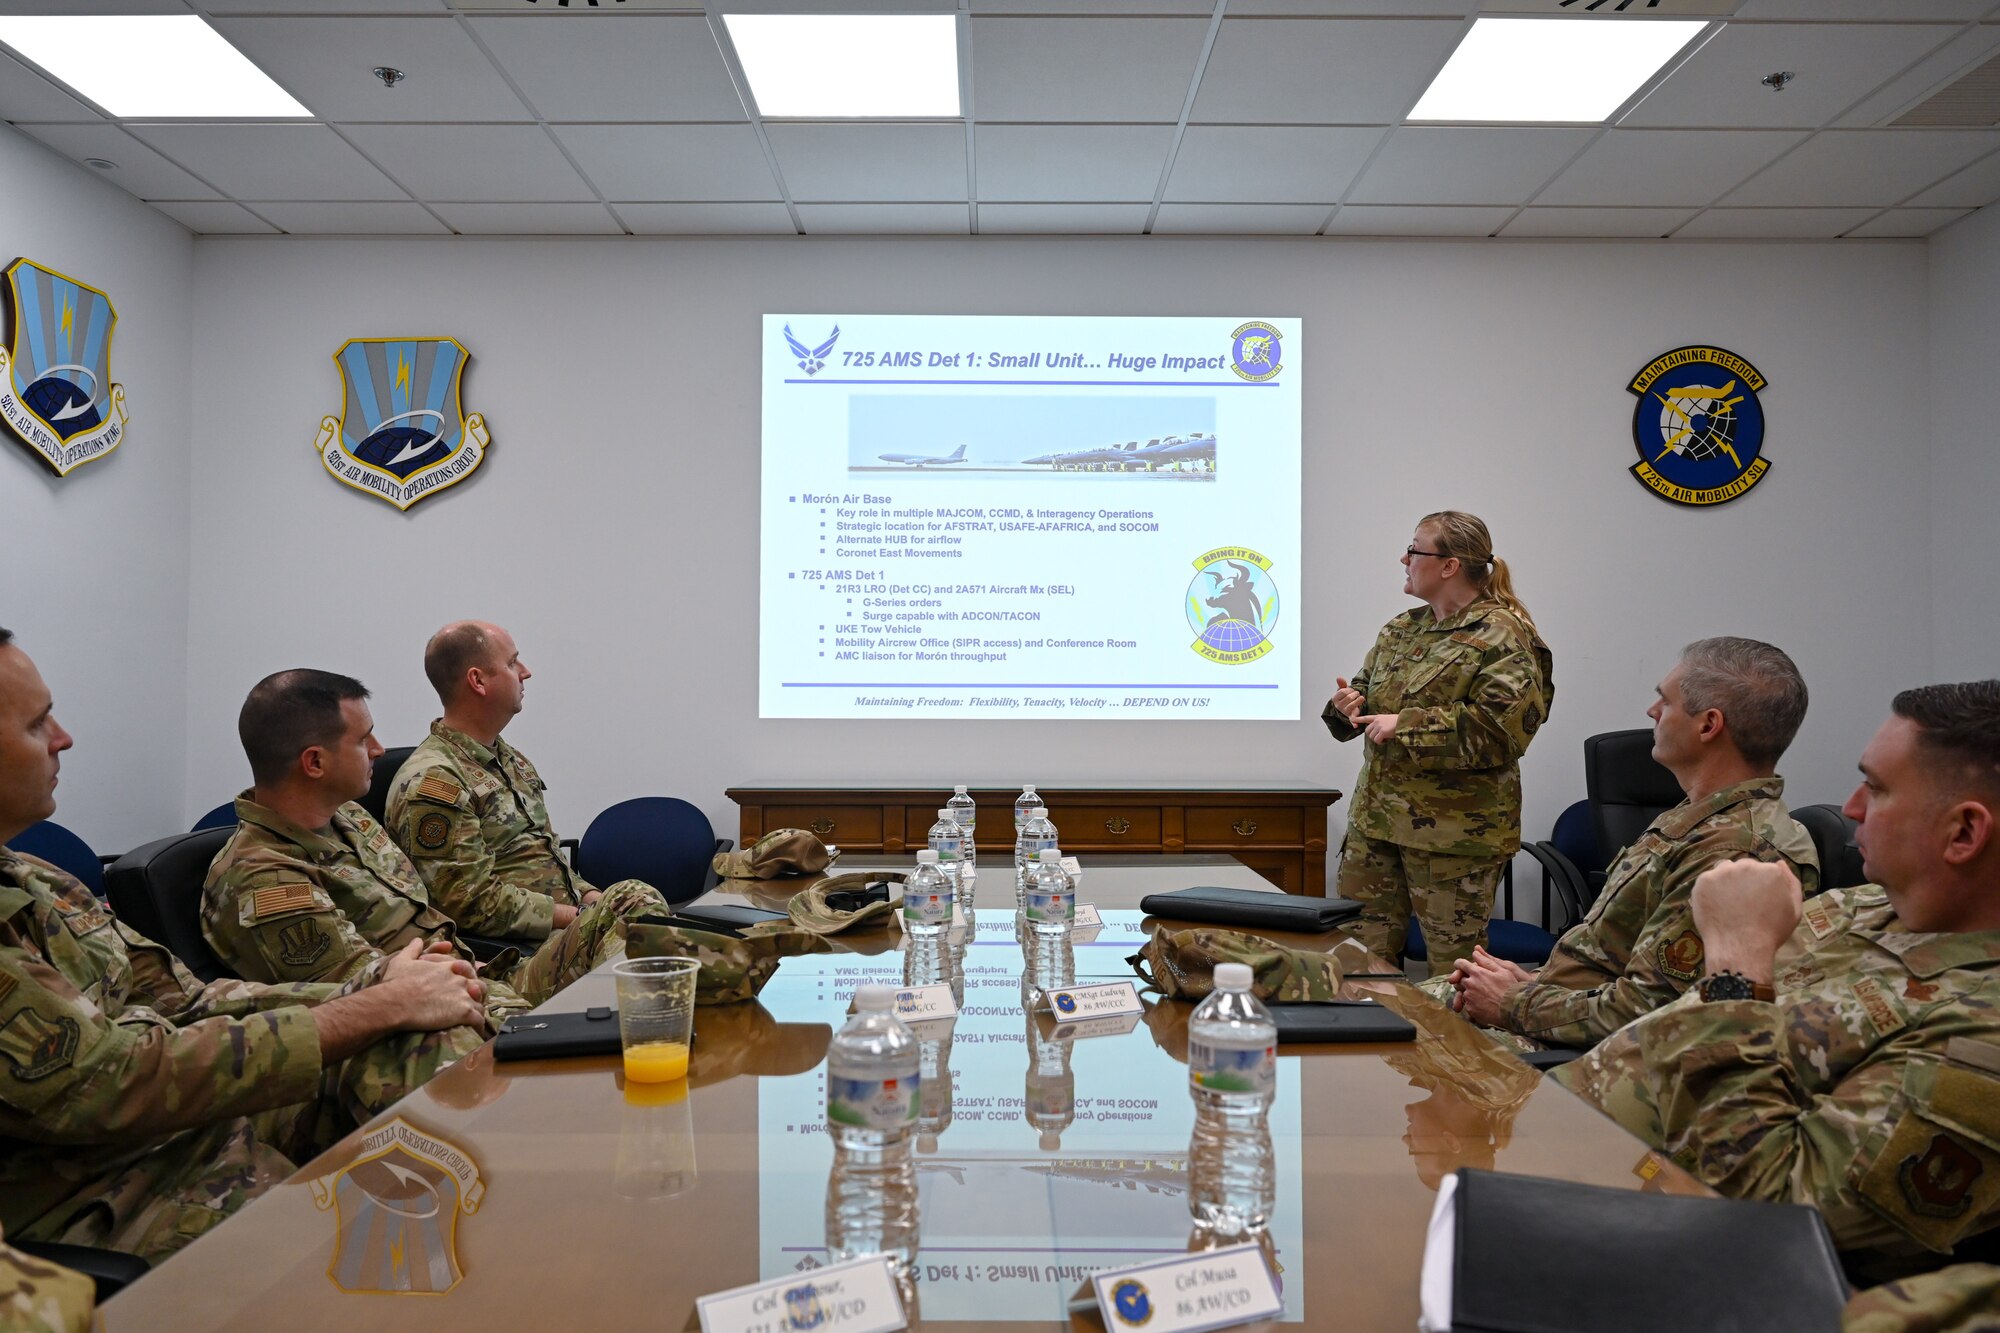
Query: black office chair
x,y
377,799
1627,788
111,1270
1832,836
156,890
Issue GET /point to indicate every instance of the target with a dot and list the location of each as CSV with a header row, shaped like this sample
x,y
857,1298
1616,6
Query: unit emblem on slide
x,y
812,359
56,392
402,433
1254,351
1232,605
1699,426
396,1207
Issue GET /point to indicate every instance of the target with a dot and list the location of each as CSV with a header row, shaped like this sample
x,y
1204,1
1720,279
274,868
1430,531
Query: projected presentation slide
x,y
1015,516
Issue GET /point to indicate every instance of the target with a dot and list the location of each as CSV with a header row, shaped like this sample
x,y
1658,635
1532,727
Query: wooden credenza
x,y
1280,832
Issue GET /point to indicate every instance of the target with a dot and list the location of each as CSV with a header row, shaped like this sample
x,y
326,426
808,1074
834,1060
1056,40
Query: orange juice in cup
x,y
656,1061
655,1016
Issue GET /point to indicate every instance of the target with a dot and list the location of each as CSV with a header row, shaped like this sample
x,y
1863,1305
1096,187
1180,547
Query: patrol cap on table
x,y
1181,965
842,901
785,851
733,967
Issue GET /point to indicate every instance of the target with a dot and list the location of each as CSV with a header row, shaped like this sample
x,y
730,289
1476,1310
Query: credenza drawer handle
x,y
1116,825
823,827
1245,827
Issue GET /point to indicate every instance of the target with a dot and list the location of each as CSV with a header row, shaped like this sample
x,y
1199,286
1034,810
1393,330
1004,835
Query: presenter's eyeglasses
x,y
1437,555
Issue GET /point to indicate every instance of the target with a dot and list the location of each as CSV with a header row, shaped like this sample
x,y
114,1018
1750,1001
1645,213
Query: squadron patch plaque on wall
x,y
402,433
56,392
1699,426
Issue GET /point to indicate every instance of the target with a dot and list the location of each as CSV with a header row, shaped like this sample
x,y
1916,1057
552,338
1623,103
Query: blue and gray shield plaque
x,y
402,433
56,392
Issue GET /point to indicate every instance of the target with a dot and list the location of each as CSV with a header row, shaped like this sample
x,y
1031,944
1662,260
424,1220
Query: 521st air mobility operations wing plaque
x,y
56,392
1699,426
402,433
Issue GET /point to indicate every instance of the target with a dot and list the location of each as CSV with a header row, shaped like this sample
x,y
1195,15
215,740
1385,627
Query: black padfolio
x,y
1340,1020
1252,907
556,1036
1553,1256
730,917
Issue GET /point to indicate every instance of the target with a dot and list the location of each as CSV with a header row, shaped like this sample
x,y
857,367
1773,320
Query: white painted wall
x,y
1965,463
94,566
619,379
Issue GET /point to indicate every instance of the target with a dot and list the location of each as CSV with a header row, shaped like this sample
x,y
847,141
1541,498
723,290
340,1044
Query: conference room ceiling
x,y
1116,117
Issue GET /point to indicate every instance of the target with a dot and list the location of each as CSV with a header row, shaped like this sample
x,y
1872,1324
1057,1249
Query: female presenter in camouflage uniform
x,y
1448,698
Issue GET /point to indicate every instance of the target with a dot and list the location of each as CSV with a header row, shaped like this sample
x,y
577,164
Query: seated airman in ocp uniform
x,y
468,809
311,888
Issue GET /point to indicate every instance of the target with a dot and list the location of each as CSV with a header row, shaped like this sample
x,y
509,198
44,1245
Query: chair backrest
x,y
1627,787
1575,836
223,816
156,890
62,849
662,840
1832,836
377,799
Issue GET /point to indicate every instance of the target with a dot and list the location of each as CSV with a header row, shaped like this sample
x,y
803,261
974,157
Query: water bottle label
x,y
1232,1068
1051,906
927,907
947,847
873,1103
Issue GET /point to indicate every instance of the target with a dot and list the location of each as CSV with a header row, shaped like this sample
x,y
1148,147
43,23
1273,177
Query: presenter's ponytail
x,y
1464,536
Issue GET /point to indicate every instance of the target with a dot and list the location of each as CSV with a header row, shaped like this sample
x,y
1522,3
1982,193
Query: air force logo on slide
x,y
56,392
1699,426
1232,605
402,433
812,359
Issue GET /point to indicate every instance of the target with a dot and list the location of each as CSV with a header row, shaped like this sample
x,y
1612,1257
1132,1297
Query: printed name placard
x,y
858,1296
1087,915
917,1004
1103,1000
1213,1289
1117,1025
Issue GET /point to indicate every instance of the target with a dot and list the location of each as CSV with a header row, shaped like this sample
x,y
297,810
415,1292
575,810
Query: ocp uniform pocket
x,y
1938,1176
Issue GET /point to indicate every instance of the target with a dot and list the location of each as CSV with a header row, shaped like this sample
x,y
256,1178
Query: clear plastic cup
x,y
655,1016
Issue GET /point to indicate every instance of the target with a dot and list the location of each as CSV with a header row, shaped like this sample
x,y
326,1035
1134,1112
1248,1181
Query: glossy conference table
x,y
539,1195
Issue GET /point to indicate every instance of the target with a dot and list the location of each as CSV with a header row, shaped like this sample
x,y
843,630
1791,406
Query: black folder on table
x,y
1553,1256
1252,907
556,1036
1339,1020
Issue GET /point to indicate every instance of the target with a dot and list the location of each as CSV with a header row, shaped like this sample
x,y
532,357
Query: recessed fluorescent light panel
x,y
167,65
849,65
1568,69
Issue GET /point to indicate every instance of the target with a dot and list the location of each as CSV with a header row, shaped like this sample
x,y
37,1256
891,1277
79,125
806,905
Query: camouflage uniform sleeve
x,y
432,820
272,924
40,1297
70,1074
1964,1298
1336,721
1491,726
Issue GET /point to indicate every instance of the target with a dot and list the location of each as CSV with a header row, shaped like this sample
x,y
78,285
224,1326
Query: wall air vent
x,y
1973,101
1608,8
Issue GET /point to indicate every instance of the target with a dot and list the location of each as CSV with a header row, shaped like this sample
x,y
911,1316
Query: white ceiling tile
x,y
706,219
612,66
1235,219
27,94
1583,222
938,219
1666,167
1367,220
1801,224
291,161
140,169
1836,65
1843,167
1064,219
1975,187
213,218
471,162
1402,9
1955,58
1132,69
671,162
870,162
1906,11
1279,164
282,7
1052,163
327,64
392,218
1321,71
1139,7
1431,164
94,6
529,219
1910,222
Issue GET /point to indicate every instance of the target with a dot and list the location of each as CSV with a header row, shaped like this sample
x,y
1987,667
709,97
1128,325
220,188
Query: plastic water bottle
x,y
1048,1098
947,839
966,811
927,899
873,1095
1023,803
1232,1076
968,889
1051,905
1036,832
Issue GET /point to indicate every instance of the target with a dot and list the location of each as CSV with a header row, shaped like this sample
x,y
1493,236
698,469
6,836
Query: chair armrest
x,y
111,1270
1548,1059
1559,872
709,879
485,948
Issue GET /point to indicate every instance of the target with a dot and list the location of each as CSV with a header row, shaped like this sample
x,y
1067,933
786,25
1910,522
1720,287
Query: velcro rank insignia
x,y
279,899
438,787
1680,957
433,832
305,943
37,1046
